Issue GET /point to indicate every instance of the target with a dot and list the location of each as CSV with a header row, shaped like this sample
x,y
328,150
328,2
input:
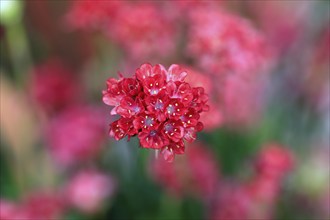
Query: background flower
x,y
88,190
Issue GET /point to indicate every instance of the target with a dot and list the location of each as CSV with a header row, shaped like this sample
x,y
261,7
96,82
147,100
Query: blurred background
x,y
263,153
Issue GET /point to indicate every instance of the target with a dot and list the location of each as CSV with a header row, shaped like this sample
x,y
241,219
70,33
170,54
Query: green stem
x,y
170,207
18,51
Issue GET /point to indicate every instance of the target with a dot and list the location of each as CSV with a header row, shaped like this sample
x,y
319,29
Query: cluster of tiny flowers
x,y
157,105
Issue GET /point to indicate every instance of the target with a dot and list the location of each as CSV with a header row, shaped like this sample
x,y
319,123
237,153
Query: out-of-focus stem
x,y
170,207
19,129
19,52
156,154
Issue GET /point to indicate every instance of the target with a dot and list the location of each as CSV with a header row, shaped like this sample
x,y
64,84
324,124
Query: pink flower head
x,y
43,205
274,161
159,107
76,135
240,201
255,199
89,14
231,203
284,22
196,174
234,53
198,78
212,119
191,5
264,190
242,99
88,189
53,86
9,210
39,205
179,10
141,28
316,83
223,43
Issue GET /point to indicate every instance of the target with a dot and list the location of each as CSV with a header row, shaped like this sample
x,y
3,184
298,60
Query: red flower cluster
x,y
158,106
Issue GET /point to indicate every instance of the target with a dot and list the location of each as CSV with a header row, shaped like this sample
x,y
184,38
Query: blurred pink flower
x,y
43,205
143,31
191,5
9,210
264,190
282,21
241,99
38,205
180,9
198,78
222,43
213,118
76,135
316,83
274,161
197,173
53,86
239,201
257,198
231,203
91,15
89,189
235,54
272,165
